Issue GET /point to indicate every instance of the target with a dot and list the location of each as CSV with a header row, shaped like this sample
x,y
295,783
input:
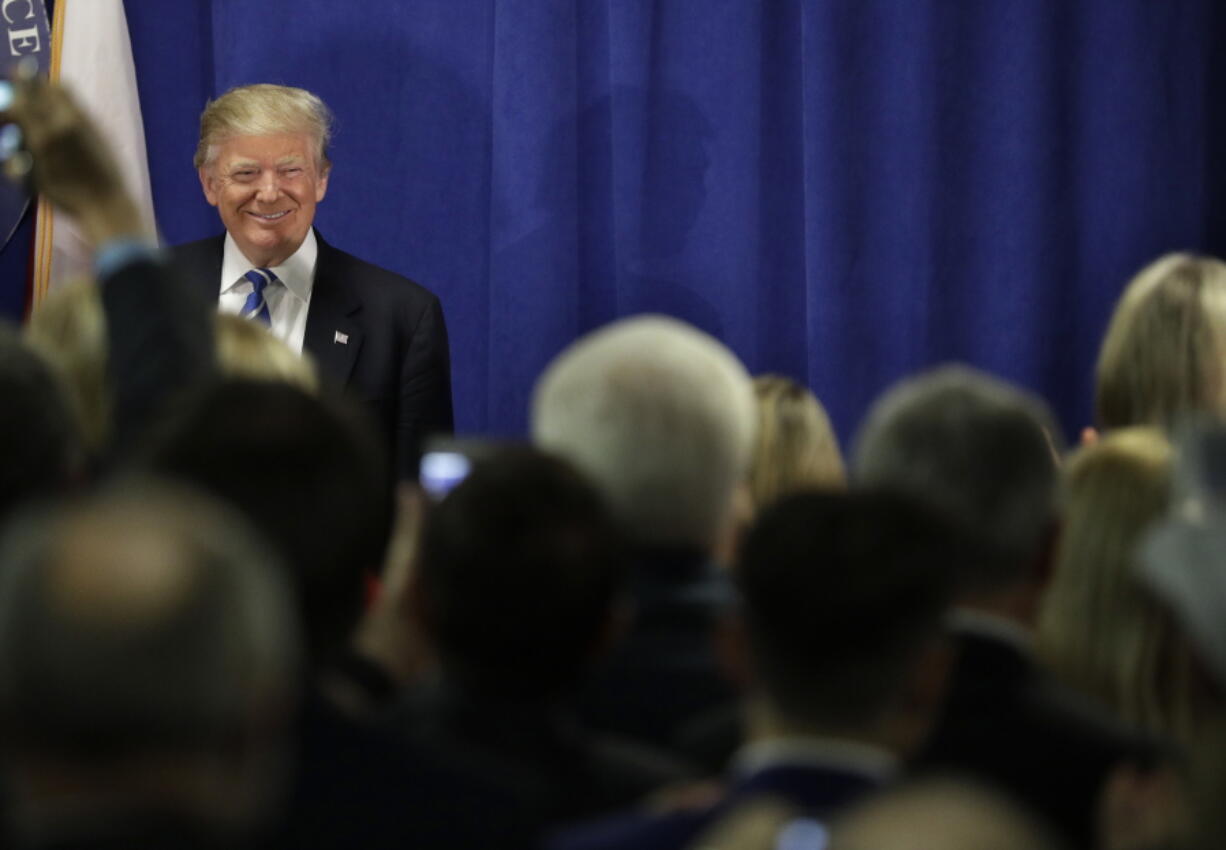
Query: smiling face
x,y
265,188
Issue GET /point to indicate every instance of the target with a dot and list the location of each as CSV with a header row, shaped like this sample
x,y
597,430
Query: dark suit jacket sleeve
x,y
424,401
160,344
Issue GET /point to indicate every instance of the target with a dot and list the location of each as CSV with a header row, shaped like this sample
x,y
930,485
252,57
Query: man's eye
x,y
291,172
244,175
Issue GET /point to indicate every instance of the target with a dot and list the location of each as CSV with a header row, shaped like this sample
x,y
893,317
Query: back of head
x,y
939,814
1098,627
660,416
796,447
976,448
247,349
841,593
309,473
1162,356
518,568
37,428
264,110
141,626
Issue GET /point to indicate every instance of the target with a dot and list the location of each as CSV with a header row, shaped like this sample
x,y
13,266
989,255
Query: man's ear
x,y
207,184
321,185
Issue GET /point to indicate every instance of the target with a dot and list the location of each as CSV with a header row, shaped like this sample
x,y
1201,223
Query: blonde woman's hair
x,y
69,330
1099,630
264,110
247,349
1163,354
796,448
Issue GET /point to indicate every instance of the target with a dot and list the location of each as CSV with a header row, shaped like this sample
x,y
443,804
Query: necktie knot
x,y
256,306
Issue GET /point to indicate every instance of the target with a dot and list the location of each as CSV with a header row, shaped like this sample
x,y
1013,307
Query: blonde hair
x,y
796,448
1163,352
264,110
1099,631
69,330
247,349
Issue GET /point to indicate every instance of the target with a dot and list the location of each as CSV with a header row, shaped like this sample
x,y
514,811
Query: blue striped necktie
x,y
257,306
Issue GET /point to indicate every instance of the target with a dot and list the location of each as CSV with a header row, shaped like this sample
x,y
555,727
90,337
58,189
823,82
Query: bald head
x,y
144,620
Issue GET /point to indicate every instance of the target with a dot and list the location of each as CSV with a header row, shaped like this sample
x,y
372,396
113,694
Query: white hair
x,y
978,449
660,416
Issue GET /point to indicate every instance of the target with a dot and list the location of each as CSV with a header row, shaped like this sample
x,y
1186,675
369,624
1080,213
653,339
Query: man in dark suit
x,y
516,589
843,598
263,163
982,452
660,417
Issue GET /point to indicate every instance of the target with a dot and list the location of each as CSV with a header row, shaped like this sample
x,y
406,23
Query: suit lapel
x,y
333,332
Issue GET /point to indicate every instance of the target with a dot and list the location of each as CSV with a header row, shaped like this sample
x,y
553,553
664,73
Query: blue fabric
x,y
256,307
16,209
842,190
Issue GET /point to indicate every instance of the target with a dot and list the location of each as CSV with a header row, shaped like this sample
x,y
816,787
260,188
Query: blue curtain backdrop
x,y
842,190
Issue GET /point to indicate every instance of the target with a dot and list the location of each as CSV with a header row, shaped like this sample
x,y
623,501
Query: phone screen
x,y
441,471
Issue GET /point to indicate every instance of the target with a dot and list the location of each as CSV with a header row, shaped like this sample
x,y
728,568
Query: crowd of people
x,y
676,617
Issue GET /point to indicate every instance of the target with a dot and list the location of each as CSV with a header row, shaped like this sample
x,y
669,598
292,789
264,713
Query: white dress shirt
x,y
287,301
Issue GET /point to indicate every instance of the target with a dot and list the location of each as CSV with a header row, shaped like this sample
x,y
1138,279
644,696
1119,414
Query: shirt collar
x,y
812,751
982,624
297,272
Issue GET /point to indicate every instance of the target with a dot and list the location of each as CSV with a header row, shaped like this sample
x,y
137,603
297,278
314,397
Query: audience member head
x,y
37,430
69,330
939,814
660,416
247,349
796,448
979,450
147,661
517,573
1099,629
310,474
1163,355
843,598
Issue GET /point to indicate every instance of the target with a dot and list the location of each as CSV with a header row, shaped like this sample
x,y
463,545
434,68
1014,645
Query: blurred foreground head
x,y
517,573
660,416
1164,354
931,814
939,814
975,448
310,474
148,656
844,597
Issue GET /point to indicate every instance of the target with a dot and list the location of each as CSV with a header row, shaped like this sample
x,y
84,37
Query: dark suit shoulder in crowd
x,y
665,672
1007,723
159,344
535,751
814,791
359,786
372,331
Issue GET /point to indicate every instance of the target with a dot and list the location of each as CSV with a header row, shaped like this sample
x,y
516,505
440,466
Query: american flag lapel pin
x,y
341,338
